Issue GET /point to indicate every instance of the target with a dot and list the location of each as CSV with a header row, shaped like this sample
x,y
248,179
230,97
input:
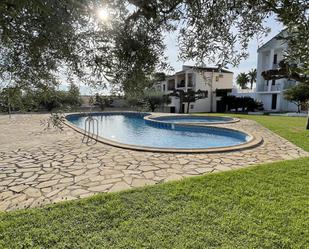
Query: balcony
x,y
273,88
181,84
276,87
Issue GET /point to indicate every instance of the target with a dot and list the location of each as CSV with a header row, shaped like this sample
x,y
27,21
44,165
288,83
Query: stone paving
x,y
39,167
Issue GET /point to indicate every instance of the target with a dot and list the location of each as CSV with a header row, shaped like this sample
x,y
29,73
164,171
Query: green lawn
x,y
291,128
258,207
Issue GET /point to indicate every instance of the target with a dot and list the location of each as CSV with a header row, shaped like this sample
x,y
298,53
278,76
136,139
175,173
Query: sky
x,y
172,54
244,66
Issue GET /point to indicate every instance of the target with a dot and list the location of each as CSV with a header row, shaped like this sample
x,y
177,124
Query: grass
x,y
291,128
259,207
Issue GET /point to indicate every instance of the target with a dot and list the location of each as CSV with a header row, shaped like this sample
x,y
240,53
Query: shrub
x,y
245,103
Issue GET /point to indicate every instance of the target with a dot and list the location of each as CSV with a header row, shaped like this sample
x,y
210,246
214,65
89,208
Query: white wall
x,y
203,105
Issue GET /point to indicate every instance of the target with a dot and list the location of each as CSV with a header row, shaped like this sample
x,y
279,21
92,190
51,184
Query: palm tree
x,y
252,77
242,80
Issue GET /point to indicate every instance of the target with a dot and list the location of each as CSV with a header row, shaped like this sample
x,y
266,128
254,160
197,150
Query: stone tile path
x,y
39,167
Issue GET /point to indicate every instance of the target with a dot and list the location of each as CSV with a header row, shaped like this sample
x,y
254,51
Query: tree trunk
x,y
188,106
307,127
180,103
9,109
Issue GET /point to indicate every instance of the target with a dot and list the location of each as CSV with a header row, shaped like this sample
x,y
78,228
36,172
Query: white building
x,y
216,82
270,92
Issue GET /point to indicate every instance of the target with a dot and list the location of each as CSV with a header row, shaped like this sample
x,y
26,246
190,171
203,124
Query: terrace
x,y
41,167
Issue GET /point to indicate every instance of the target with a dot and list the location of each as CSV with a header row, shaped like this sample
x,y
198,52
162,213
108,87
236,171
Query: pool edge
x,y
254,141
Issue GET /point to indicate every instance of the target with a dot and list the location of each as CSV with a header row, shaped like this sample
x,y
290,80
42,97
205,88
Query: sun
x,y
103,14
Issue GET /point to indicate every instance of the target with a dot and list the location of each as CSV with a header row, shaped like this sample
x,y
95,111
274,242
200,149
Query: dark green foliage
x,y
159,77
56,121
102,101
245,103
288,71
148,100
37,38
72,97
154,99
188,97
242,80
298,94
252,77
39,99
10,99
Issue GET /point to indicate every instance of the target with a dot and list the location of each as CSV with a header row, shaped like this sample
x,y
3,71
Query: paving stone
x,y
119,186
47,184
18,188
142,182
203,170
173,177
32,192
100,188
39,167
79,192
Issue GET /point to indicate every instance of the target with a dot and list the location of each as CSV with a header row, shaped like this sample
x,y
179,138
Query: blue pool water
x,y
193,119
132,129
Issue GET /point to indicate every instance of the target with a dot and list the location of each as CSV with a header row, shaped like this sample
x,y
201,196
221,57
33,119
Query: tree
x,y
245,103
102,101
188,97
298,94
252,77
37,38
242,80
11,99
155,99
72,97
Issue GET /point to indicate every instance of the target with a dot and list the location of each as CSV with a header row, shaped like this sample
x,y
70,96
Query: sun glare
x,y
103,14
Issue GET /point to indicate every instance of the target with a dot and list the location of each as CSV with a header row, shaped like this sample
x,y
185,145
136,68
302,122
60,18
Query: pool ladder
x,y
91,130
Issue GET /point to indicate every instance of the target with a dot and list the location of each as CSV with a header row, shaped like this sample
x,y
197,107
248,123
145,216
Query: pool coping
x,y
252,143
153,118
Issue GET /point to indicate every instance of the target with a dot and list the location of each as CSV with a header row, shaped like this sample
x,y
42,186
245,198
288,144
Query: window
x,y
221,76
273,82
275,58
171,85
217,78
191,106
206,94
163,88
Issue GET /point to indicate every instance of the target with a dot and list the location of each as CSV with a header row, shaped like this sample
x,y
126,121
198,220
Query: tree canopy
x,y
252,77
40,40
242,80
298,94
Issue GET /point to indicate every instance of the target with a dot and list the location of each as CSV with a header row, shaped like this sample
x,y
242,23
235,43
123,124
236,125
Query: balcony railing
x,y
273,88
276,87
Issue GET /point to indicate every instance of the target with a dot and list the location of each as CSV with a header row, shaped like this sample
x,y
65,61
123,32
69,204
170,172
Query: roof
x,y
206,69
274,37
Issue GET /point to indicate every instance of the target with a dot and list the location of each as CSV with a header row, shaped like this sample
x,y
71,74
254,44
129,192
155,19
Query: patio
x,y
40,167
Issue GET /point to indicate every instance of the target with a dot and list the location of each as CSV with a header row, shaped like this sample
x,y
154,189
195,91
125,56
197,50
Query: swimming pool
x,y
193,119
131,130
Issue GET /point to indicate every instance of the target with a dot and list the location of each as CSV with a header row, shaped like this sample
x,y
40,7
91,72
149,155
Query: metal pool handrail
x,y
89,133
